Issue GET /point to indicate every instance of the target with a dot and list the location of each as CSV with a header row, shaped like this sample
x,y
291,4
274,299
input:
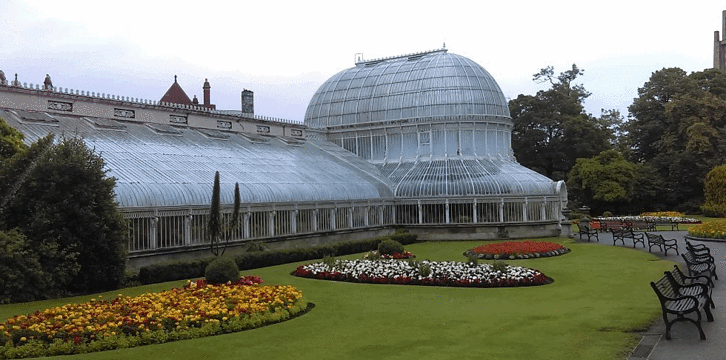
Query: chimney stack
x,y
248,103
206,87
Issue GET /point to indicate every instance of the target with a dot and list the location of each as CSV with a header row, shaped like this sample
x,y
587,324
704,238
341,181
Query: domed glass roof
x,y
421,86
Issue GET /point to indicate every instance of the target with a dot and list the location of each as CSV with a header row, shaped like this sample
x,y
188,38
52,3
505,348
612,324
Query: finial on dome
x,y
174,78
444,44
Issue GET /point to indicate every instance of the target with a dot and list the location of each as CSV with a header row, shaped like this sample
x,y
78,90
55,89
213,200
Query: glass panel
x,y
410,145
438,142
394,146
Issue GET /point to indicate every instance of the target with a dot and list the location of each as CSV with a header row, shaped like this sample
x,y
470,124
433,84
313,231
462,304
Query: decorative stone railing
x,y
141,102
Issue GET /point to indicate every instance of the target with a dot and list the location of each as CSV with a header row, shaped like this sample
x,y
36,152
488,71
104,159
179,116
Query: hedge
x,y
188,269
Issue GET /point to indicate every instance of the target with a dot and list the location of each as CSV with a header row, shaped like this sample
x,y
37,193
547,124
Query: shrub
x,y
66,208
221,270
607,214
22,275
253,246
188,269
500,266
390,247
714,189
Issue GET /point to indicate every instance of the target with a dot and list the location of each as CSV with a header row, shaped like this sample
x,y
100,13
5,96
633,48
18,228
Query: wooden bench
x,y
585,229
608,225
662,243
672,224
700,265
682,280
622,234
672,302
639,225
698,249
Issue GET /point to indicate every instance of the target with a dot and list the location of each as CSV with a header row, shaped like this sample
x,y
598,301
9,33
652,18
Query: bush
x,y
221,270
66,208
22,275
607,214
390,247
714,189
188,269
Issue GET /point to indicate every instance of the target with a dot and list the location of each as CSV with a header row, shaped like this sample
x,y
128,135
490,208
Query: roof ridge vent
x,y
412,56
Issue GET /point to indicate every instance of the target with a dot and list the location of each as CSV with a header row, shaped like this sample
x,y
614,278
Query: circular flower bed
x,y
447,273
513,250
715,229
198,309
375,255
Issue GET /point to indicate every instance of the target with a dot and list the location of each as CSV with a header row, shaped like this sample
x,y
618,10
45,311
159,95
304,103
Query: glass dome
x,y
420,86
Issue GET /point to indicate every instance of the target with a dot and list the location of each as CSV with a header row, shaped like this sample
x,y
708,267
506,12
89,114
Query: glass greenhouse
x,y
421,141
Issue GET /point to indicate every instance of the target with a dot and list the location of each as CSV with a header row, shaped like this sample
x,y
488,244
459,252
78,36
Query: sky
x,y
284,50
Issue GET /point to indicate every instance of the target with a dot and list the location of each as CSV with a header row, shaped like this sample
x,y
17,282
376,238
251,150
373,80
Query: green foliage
x,y
607,214
678,128
214,224
254,245
551,129
221,270
472,260
11,141
609,181
329,261
65,207
22,275
500,266
179,270
390,247
714,189
15,171
424,269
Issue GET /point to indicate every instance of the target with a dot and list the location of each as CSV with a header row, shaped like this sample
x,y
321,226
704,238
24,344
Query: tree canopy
x,y
62,201
551,129
678,126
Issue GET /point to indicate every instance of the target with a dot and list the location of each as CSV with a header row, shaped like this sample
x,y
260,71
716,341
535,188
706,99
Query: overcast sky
x,y
284,50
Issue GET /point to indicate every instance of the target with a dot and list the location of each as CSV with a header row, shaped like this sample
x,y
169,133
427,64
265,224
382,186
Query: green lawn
x,y
601,294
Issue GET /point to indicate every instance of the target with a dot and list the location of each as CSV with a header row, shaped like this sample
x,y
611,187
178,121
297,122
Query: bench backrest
x,y
663,288
584,225
689,257
654,238
693,248
678,275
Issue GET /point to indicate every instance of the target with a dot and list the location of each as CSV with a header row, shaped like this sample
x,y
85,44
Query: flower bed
x,y
375,255
654,219
198,309
513,250
447,273
715,229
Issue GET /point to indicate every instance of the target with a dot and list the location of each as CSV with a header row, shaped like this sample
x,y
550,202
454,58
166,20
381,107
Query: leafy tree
x,y
15,170
11,141
609,182
649,121
715,192
22,277
551,129
678,126
66,209
214,224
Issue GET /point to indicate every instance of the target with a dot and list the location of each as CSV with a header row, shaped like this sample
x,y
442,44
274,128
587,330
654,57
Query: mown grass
x,y
600,296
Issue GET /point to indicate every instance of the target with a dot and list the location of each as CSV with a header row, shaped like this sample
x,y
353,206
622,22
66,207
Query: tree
x,y
11,141
66,209
551,129
22,275
678,126
214,223
714,189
